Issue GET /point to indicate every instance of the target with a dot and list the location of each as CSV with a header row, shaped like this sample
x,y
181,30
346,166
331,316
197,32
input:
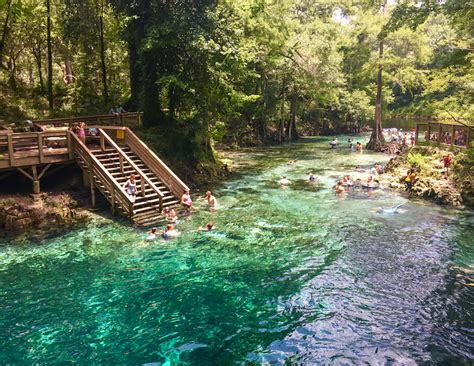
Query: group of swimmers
x,y
350,141
171,216
370,182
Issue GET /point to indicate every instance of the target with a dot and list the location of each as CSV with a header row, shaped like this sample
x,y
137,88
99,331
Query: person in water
x,y
209,227
311,177
130,187
152,234
410,179
211,200
284,181
346,180
291,162
339,188
334,143
186,200
170,232
358,147
350,141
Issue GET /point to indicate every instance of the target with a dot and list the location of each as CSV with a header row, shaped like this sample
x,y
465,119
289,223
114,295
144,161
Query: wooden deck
x,y
448,134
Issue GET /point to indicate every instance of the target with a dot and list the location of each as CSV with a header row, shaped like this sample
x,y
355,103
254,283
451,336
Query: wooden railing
x,y
117,194
34,148
122,119
157,166
454,135
144,180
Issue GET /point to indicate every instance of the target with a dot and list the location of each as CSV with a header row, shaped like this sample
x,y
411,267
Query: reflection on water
x,y
293,275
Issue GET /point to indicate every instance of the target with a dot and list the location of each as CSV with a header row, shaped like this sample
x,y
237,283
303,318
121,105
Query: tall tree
x,y
50,56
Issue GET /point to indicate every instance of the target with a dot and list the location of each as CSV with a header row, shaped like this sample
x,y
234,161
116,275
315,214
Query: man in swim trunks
x,y
211,200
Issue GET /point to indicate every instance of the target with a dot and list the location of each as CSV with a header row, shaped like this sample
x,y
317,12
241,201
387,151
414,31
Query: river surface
x,y
289,276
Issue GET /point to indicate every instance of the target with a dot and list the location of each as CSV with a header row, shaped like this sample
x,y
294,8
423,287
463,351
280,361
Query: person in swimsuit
x,y
152,234
186,200
130,187
312,178
358,147
211,200
81,132
284,181
209,226
170,232
339,188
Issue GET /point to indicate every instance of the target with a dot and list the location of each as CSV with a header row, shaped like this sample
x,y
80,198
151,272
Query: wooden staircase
x,y
109,165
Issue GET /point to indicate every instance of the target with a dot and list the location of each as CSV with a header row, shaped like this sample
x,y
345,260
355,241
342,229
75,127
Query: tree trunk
x,y
377,141
105,90
39,65
5,30
282,110
291,127
50,57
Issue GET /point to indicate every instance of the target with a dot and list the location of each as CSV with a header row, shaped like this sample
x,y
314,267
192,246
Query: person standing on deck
x,y
81,132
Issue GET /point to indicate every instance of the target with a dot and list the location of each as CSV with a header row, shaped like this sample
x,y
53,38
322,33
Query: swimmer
x,y
312,178
170,232
334,143
284,181
358,147
391,210
339,188
291,162
152,234
209,227
211,200
346,181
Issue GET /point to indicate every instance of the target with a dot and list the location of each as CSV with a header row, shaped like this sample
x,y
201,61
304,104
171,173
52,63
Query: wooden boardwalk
x,y
447,134
109,156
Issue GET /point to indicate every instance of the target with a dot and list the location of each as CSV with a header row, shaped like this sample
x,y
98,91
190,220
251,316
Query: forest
x,y
237,71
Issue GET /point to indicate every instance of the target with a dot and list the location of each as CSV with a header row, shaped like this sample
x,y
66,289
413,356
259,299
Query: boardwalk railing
x,y
108,185
129,119
34,148
452,134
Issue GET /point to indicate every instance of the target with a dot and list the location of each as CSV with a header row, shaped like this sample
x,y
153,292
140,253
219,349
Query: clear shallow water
x,y
291,275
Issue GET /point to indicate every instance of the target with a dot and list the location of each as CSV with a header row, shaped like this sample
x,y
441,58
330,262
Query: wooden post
x,y
440,129
121,163
453,130
91,182
69,145
36,182
102,142
416,133
112,199
40,147
142,183
468,138
429,132
11,154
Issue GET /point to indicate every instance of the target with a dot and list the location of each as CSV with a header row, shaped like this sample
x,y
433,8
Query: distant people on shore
x,y
410,179
130,187
447,161
117,109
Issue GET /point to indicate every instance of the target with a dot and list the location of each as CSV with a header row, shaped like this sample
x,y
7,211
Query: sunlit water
x,y
293,275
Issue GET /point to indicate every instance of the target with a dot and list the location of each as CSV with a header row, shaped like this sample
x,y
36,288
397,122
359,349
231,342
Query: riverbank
x,y
42,214
456,189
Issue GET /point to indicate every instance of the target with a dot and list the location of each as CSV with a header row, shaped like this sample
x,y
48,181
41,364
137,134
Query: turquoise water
x,y
292,275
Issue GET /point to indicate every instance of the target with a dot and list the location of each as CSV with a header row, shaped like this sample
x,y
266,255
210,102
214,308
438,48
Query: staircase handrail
x,y
148,156
106,178
143,176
